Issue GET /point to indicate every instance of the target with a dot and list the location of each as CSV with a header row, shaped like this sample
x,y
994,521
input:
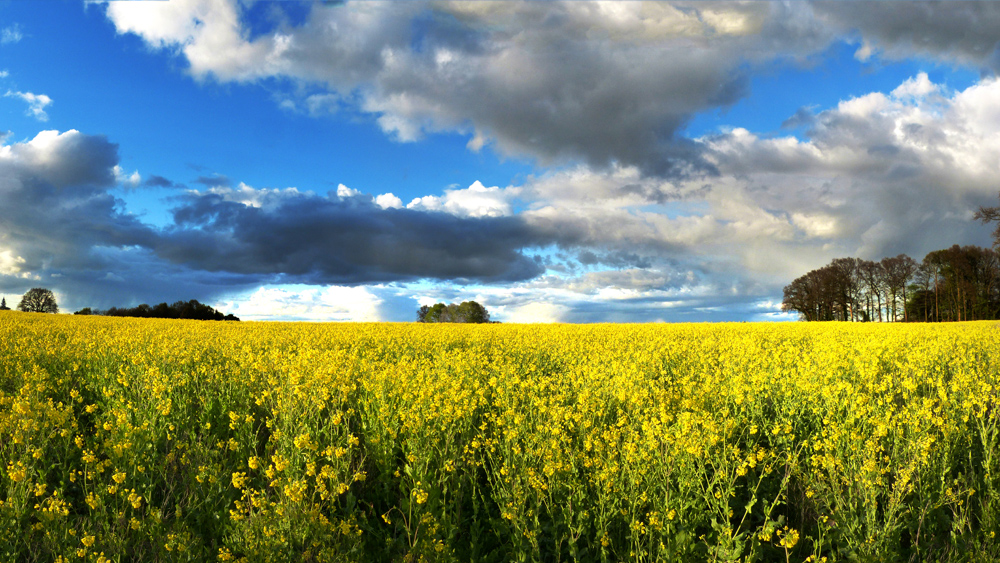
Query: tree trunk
x,y
937,311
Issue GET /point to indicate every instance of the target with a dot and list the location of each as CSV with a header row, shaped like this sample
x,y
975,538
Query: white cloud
x,y
385,201
608,296
306,303
874,176
475,201
11,34
880,174
319,104
208,32
251,196
535,313
36,103
916,87
10,263
345,192
130,180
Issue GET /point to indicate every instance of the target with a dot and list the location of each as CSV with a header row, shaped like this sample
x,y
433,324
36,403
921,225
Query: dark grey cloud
x,y
966,32
311,239
155,181
619,259
55,202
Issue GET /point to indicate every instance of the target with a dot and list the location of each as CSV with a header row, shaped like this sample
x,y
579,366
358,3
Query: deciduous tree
x,y
38,300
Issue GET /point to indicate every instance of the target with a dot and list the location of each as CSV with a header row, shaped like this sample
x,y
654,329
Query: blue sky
x,y
575,161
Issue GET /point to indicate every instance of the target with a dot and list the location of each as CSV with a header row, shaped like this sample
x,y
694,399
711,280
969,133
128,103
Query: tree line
x,y
41,300
961,283
179,310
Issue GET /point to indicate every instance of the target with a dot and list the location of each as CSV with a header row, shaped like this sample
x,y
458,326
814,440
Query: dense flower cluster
x,y
149,440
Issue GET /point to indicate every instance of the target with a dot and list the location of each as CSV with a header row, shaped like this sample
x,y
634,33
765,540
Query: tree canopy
x,y
3,304
466,312
38,300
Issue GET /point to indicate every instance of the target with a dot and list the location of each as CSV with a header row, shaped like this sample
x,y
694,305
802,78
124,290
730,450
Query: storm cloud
x,y
334,240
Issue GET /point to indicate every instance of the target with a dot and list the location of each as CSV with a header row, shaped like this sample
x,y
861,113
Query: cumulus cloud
x,y
247,195
875,175
534,312
36,103
344,191
605,83
879,174
600,81
388,201
586,299
56,208
124,178
475,201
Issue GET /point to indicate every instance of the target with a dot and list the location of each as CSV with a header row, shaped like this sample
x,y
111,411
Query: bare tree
x,y
990,215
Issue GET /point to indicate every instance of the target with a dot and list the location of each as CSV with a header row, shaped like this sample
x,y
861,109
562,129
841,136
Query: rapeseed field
x,y
150,440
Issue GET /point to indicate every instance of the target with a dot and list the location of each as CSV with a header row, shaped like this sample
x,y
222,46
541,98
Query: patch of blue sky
x,y
676,209
262,18
819,84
